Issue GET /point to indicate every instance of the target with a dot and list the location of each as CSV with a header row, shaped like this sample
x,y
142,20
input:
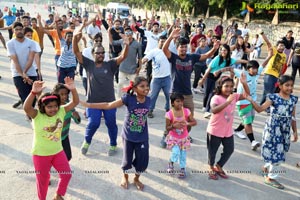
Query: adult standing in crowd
x,y
100,76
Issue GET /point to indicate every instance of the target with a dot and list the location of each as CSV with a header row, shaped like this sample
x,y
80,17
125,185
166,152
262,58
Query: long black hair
x,y
227,59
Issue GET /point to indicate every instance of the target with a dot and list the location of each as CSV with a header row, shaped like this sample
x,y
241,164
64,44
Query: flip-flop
x,y
212,175
220,173
275,184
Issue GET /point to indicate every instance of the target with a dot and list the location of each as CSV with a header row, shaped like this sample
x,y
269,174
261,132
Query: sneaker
x,y
254,145
150,114
240,134
203,109
207,115
170,169
16,105
195,91
112,150
201,91
84,148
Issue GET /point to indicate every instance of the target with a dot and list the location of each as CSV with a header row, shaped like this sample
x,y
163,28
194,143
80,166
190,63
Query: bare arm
x,y
175,33
290,57
105,105
37,87
218,108
257,107
211,52
124,52
266,40
2,40
76,51
69,83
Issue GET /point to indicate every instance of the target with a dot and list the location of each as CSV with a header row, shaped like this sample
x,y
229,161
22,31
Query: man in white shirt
x,y
256,42
161,75
92,30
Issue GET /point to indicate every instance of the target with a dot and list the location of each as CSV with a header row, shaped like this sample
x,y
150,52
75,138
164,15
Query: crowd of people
x,y
169,54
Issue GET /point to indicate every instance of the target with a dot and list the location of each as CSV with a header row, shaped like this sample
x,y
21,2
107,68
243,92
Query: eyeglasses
x,y
99,52
128,33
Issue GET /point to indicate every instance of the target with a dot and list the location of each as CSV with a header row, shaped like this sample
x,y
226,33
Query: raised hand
x,y
175,33
243,78
230,98
37,86
69,83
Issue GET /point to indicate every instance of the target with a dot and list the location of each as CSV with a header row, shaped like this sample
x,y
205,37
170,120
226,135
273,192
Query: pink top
x,y
220,124
178,133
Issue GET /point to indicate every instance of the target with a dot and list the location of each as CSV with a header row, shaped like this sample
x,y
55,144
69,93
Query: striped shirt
x,y
67,58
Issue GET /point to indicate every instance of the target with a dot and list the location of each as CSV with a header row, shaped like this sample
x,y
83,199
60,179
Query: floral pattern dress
x,y
276,135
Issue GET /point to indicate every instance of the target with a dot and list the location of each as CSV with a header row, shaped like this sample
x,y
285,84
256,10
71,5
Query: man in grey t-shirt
x,y
132,64
21,51
100,75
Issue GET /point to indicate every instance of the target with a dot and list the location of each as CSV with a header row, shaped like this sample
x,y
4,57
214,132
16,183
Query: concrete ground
x,y
97,176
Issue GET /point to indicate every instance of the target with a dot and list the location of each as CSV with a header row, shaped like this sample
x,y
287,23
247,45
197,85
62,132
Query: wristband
x,y
34,93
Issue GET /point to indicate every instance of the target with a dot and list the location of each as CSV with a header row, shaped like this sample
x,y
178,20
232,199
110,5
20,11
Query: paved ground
x,y
97,176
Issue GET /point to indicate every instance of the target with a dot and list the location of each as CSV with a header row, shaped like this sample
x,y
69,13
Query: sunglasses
x,y
128,33
99,52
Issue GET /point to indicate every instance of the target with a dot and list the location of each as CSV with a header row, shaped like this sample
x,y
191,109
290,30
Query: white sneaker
x,y
240,134
201,91
207,115
195,91
255,145
203,109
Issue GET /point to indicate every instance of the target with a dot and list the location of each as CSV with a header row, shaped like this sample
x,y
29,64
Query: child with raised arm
x,y
135,129
63,93
276,135
47,148
177,120
219,128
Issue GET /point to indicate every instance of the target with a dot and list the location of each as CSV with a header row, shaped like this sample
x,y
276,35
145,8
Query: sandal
x,y
212,175
221,173
273,183
182,174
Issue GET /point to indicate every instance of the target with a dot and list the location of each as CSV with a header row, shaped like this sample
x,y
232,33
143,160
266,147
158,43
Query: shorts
x,y
246,113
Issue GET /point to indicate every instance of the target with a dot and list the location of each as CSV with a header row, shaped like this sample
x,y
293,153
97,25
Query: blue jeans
x,y
94,120
178,155
64,72
269,86
157,84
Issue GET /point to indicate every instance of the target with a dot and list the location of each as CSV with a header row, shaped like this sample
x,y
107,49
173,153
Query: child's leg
x,y
42,165
140,162
175,154
273,170
126,161
228,148
61,164
182,160
213,144
67,148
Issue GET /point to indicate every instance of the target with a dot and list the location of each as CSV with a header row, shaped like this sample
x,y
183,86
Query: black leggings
x,y
213,143
295,68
